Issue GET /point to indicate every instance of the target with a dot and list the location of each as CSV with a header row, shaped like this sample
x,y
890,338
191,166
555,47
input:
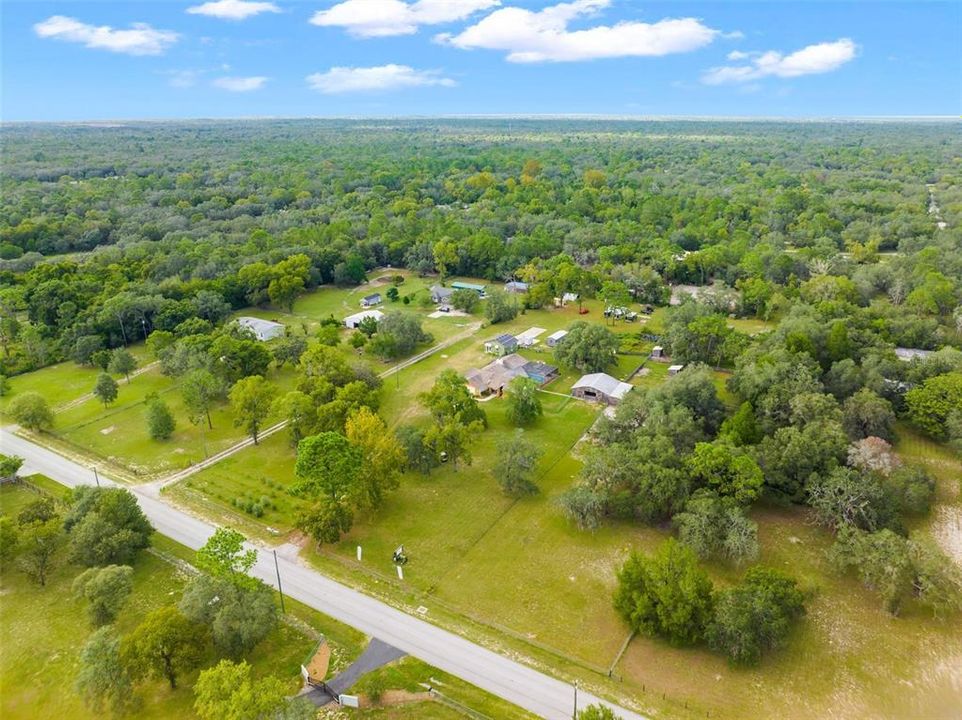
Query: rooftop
x,y
603,383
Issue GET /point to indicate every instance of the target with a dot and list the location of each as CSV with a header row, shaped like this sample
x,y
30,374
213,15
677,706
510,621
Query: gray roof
x,y
512,361
603,383
259,325
505,339
441,292
375,296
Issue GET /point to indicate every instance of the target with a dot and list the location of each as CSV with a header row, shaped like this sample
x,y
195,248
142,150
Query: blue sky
x,y
238,58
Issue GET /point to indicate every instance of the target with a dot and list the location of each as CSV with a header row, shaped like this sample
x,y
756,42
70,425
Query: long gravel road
x,y
532,690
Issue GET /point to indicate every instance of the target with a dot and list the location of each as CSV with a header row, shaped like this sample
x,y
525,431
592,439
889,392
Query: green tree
x,y
382,456
727,471
741,428
865,414
229,691
449,399
931,404
524,406
250,401
165,645
103,679
122,363
239,615
451,440
224,556
516,461
445,256
38,511
160,420
31,411
326,520
667,595
587,347
755,616
105,389
500,306
328,466
585,506
716,527
40,543
418,456
10,465
398,334
283,291
105,589
106,526
465,300
9,541
200,389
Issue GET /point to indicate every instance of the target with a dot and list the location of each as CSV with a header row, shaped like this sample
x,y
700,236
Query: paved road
x,y
505,678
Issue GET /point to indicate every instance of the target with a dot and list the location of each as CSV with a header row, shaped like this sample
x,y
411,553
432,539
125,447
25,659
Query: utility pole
x,y
277,569
575,715
96,476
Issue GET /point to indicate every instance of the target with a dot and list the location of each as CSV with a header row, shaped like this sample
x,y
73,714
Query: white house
x,y
371,300
352,321
263,329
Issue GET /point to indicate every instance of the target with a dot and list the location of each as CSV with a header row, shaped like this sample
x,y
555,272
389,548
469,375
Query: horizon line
x,y
625,117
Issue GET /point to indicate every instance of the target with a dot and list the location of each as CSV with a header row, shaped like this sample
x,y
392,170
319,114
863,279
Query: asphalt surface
x,y
532,690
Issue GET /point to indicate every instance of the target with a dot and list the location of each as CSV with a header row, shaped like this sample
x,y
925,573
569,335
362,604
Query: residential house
x,y
908,354
600,387
441,294
495,377
369,301
501,345
353,321
263,329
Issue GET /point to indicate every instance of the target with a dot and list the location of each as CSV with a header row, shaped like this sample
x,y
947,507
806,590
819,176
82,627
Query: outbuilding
x,y
675,369
263,329
351,322
600,387
479,289
555,338
542,373
517,287
371,300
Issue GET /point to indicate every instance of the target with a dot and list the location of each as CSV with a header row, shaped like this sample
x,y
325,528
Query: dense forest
x,y
114,231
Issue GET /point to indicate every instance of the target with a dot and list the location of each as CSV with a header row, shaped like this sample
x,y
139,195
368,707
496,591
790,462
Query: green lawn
x,y
62,383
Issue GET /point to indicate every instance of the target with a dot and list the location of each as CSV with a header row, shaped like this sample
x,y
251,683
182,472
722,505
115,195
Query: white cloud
x,y
544,36
233,9
374,79
239,84
140,39
810,60
381,18
738,55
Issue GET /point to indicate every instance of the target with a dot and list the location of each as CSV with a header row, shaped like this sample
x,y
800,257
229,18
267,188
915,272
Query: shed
x,y
516,286
441,294
556,337
479,289
658,352
675,369
263,329
501,345
371,300
353,321
600,387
